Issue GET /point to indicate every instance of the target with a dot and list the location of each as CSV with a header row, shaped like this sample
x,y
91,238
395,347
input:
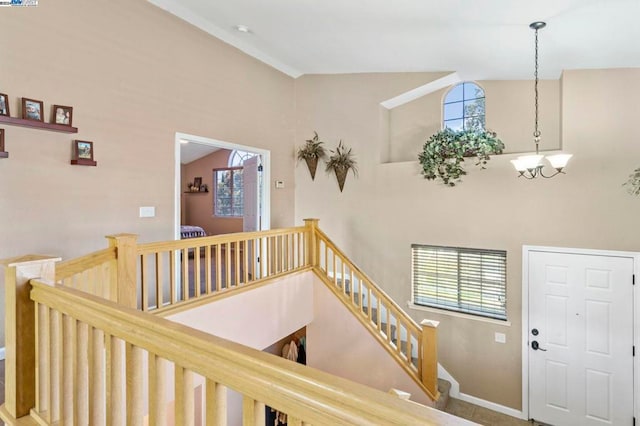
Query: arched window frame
x,y
457,103
237,157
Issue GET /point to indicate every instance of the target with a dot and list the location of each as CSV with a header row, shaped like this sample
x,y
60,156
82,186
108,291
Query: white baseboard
x,y
1,354
454,392
492,406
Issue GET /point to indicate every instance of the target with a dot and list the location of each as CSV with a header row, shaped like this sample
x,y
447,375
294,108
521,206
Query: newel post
x,y
123,281
20,335
430,355
312,241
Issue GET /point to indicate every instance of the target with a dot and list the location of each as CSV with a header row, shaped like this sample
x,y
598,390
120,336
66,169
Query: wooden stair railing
x,y
79,334
160,276
413,346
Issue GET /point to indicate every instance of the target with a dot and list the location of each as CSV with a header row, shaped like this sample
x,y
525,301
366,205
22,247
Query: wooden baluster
x,y
124,284
56,393
20,377
218,267
135,401
116,390
184,397
196,270
68,367
293,421
145,281
352,286
172,277
430,356
185,274
216,395
344,278
81,384
43,358
159,281
253,412
97,379
335,270
369,302
227,263
245,260
379,312
207,268
285,255
238,280
157,385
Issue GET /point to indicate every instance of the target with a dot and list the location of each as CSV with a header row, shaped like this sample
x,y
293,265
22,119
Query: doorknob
x,y
536,347
534,331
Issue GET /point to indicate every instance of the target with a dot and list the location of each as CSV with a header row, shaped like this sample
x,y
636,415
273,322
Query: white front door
x,y
251,215
581,322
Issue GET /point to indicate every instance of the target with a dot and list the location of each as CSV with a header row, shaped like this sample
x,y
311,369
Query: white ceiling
x,y
192,151
488,39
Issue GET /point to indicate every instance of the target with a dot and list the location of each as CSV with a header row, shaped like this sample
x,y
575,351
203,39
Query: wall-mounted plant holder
x,y
82,154
3,153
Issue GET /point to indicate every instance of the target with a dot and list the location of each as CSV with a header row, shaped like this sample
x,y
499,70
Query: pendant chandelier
x,y
531,166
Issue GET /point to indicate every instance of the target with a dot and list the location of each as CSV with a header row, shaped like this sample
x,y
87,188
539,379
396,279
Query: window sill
x,y
415,307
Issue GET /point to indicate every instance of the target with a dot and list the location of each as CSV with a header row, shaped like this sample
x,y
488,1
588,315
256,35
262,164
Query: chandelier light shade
x,y
531,166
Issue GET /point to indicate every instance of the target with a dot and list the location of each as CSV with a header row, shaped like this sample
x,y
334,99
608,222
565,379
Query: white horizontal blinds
x,y
461,279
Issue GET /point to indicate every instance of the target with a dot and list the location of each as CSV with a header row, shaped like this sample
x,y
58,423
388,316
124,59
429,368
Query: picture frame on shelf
x,y
197,183
83,153
4,104
62,115
32,109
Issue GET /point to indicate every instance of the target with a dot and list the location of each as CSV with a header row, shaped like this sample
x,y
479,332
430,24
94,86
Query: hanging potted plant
x,y
633,183
443,154
311,152
340,162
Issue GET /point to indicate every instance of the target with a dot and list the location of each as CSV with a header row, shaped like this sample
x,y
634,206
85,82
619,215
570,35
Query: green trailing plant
x,y
633,184
311,152
443,155
340,162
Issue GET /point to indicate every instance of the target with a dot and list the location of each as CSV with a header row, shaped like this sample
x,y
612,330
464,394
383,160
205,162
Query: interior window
x,y
464,107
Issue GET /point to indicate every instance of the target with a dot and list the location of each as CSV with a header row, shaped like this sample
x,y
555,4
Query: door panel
x,y
582,307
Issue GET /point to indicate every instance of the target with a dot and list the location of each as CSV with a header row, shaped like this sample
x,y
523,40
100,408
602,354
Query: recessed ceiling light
x,y
242,28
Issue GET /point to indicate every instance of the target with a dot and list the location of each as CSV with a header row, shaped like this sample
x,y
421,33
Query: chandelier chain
x,y
536,133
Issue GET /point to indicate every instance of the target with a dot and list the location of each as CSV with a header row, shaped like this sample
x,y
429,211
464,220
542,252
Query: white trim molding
x,y
2,354
492,406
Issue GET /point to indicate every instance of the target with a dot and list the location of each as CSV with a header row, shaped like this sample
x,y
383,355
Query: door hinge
x,y
633,279
634,351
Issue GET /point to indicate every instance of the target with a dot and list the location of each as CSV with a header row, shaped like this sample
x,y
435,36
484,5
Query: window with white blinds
x,y
472,281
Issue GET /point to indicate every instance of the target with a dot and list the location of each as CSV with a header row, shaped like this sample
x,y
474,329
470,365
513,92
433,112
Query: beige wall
x,y
390,206
411,124
199,206
135,76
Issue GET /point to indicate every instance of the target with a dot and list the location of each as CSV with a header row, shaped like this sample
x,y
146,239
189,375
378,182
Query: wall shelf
x,y
14,121
84,162
196,192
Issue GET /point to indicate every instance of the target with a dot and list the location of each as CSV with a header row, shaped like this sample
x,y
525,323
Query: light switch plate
x,y
501,338
147,211
279,184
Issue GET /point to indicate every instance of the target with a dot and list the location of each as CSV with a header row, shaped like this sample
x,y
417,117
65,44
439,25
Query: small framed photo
x,y
197,182
1,142
32,109
62,115
4,104
83,153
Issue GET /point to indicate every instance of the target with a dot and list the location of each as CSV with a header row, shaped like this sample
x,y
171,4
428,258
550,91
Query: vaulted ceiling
x,y
488,39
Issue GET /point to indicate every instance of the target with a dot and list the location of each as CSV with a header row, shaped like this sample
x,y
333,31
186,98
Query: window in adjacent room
x,y
472,281
464,107
228,200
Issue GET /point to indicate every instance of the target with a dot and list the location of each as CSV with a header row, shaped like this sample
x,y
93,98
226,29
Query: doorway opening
x,y
197,166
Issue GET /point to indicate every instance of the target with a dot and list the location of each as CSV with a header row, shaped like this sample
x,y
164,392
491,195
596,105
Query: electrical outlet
x,y
501,338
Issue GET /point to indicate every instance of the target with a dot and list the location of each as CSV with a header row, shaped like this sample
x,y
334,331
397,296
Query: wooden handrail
x,y
68,268
304,393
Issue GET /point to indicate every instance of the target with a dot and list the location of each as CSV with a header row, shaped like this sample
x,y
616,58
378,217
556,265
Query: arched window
x,y
463,107
237,157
